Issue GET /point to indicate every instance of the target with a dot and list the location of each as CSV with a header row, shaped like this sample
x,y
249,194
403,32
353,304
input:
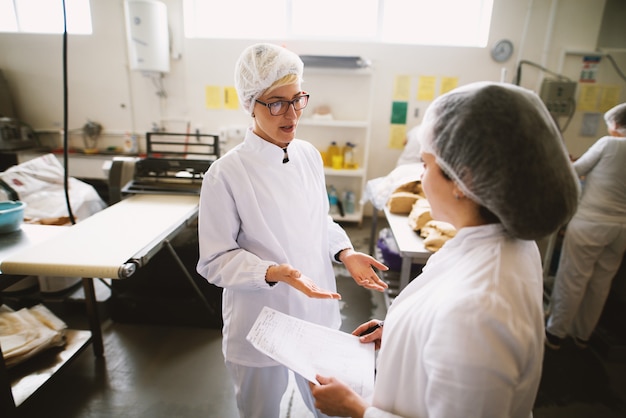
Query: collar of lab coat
x,y
473,233
269,152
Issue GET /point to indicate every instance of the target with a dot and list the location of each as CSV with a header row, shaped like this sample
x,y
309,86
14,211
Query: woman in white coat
x,y
465,338
595,239
264,231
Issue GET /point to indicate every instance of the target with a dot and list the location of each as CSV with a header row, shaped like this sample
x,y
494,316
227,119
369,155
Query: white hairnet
x,y
259,66
499,143
616,118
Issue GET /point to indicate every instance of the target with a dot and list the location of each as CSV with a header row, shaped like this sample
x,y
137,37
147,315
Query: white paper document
x,y
309,349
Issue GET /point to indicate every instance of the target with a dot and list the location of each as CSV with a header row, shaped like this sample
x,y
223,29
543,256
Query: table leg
x,y
92,315
373,231
189,277
405,272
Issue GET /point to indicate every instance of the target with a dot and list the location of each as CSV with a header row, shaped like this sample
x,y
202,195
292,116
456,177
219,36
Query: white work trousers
x,y
259,390
590,257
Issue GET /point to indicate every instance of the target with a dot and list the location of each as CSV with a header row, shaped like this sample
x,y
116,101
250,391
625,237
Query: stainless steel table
x,y
410,245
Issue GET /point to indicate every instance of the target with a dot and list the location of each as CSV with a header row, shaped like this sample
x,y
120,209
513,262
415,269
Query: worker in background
x,y
465,338
265,234
595,239
411,152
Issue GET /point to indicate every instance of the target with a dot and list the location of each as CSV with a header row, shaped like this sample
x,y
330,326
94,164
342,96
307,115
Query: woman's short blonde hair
x,y
284,81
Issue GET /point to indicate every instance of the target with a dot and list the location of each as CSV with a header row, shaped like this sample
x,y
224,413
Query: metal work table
x,y
410,245
109,244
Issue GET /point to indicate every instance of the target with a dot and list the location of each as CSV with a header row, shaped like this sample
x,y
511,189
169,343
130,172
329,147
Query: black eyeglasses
x,y
281,107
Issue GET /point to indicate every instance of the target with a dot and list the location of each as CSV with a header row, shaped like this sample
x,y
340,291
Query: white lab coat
x,y
594,243
255,212
465,338
604,195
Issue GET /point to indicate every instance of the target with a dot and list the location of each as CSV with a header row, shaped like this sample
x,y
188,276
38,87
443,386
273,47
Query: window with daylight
x,y
45,16
416,22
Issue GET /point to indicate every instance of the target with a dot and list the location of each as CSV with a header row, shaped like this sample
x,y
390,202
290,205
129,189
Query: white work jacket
x,y
255,212
604,194
465,338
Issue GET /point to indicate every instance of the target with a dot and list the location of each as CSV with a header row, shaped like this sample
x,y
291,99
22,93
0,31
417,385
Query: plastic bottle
x,y
348,156
349,201
333,200
335,158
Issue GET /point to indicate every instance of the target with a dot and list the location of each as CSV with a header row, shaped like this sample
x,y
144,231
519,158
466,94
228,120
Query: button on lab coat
x,y
255,212
465,338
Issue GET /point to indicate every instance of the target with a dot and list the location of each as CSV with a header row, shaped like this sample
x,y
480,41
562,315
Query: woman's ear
x,y
457,192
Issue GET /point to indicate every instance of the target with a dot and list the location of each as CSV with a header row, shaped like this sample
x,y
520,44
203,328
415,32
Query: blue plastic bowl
x,y
11,216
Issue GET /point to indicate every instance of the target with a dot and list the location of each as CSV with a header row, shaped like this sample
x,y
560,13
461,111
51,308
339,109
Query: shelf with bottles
x,y
344,202
344,177
322,136
341,158
340,111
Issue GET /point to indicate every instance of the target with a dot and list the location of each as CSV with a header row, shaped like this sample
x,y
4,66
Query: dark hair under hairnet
x,y
501,146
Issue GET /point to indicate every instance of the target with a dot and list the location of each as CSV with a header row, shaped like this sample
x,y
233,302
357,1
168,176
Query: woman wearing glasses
x,y
265,235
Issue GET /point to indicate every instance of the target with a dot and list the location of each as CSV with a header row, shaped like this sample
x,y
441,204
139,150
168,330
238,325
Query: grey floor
x,y
165,370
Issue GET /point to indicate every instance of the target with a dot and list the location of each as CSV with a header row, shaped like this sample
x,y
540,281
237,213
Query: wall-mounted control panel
x,y
558,95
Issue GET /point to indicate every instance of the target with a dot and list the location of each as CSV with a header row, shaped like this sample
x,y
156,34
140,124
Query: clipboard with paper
x,y
309,349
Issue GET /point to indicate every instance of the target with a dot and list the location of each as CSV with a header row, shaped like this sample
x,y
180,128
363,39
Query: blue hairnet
x,y
259,66
499,143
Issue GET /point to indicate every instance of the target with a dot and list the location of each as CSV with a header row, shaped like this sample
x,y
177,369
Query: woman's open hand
x,y
361,267
293,277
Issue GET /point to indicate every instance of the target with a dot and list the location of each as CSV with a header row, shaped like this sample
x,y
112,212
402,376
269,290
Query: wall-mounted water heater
x,y
148,35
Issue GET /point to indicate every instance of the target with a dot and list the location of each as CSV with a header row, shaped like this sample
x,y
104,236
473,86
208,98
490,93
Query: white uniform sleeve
x,y
222,262
337,238
590,158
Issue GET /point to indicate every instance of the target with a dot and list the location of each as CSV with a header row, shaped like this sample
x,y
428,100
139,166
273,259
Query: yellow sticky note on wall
x,y
426,88
401,87
231,101
588,98
213,97
397,136
609,97
448,83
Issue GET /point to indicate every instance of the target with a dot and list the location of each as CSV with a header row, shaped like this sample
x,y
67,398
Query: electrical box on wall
x,y
148,36
558,95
